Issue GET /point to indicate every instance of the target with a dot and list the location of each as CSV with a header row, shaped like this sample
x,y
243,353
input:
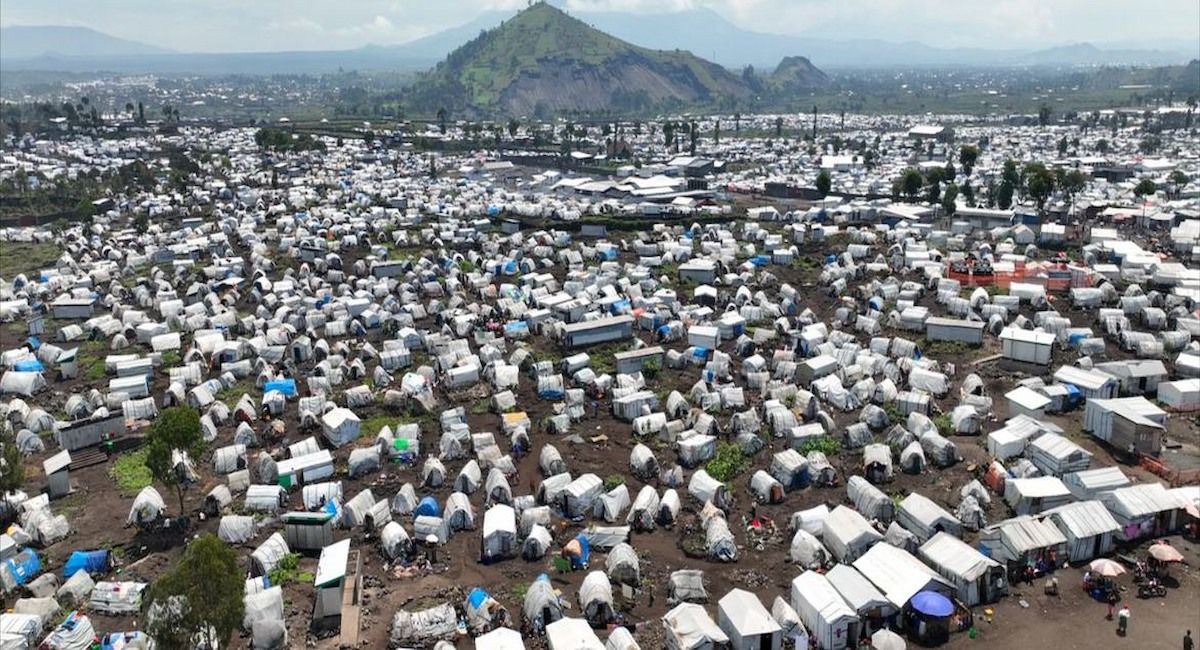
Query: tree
x,y
737,122
669,134
129,109
717,132
175,429
933,191
1044,113
1102,146
441,118
779,126
1178,180
1073,182
200,601
1062,146
967,156
968,193
824,183
141,118
948,199
910,183
513,126
1039,183
949,172
12,471
1144,188
694,136
1004,195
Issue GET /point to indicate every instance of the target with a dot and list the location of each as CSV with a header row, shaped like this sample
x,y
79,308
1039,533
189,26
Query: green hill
x,y
797,74
543,61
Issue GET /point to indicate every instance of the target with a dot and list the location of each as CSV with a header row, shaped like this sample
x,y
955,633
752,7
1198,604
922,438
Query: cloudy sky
x,y
265,25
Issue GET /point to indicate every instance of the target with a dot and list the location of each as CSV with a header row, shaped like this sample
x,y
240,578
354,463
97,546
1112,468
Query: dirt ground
x,y
97,511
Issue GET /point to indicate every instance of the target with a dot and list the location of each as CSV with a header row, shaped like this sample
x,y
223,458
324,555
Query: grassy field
x,y
130,472
25,257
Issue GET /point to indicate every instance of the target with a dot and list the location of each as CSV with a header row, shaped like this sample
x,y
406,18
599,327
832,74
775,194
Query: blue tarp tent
x,y
428,507
516,327
23,566
760,260
581,561
476,598
89,561
285,386
28,365
619,307
33,342
493,210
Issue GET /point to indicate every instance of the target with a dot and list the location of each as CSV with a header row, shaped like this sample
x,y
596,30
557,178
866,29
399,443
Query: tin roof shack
x,y
828,618
1136,376
58,477
308,532
1026,346
68,308
977,579
1026,401
924,518
1182,395
1056,455
1089,528
1091,384
1143,510
872,607
954,329
595,332
635,361
900,575
1027,496
330,582
1024,541
1091,483
699,271
1127,423
741,615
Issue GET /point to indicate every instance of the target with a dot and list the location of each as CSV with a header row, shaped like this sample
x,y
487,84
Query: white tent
x,y
689,627
741,615
830,621
571,634
499,533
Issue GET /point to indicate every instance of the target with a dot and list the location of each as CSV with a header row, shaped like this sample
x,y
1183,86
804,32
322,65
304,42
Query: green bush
x,y
824,444
131,473
287,571
612,481
728,462
943,424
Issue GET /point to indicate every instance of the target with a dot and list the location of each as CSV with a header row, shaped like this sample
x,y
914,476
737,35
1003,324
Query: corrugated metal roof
x,y
1141,500
1024,534
956,557
855,589
1039,487
1084,519
895,572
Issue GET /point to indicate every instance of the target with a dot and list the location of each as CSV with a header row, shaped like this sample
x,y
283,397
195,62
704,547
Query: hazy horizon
x,y
211,26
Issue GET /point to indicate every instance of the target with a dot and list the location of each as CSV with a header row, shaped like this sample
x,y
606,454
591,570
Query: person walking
x,y
1188,643
1112,603
1123,619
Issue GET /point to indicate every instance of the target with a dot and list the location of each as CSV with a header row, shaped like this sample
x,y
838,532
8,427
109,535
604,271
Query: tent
x,y
749,626
869,500
622,566
499,534
688,627
830,621
542,605
571,634
596,599
847,534
807,551
977,578
425,627
924,518
872,607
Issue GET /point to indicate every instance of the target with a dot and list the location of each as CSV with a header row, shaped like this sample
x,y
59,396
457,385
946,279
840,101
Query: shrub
x,y
824,444
612,481
728,462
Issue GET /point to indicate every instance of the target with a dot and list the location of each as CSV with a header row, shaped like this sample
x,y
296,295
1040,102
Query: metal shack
x,y
1126,422
334,575
87,433
1026,346
308,531
73,308
628,363
594,332
58,478
954,329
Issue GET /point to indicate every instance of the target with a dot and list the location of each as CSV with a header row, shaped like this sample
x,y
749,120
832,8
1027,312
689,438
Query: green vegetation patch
x,y
728,462
25,257
131,473
287,571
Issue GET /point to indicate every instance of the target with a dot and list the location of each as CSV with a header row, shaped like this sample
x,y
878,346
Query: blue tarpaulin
x,y
584,553
428,507
89,561
23,566
33,343
28,365
516,327
493,210
760,260
619,307
476,598
285,386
